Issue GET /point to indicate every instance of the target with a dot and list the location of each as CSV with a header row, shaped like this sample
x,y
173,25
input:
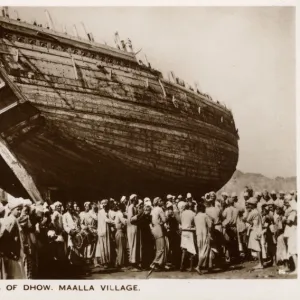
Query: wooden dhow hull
x,y
89,121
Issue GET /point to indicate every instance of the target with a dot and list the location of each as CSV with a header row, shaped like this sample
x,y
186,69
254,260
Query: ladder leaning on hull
x,y
7,155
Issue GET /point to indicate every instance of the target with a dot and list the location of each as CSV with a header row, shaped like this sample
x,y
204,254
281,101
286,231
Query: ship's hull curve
x,y
110,129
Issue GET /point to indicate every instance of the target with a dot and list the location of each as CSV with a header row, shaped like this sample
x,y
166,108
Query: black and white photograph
x,y
148,142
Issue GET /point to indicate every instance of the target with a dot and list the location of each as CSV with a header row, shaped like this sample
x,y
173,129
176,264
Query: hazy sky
x,y
244,57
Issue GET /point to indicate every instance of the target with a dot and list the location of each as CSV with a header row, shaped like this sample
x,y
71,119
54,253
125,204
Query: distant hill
x,y
258,182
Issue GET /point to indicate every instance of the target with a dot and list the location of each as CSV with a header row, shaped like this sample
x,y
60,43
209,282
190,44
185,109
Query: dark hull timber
x,y
86,120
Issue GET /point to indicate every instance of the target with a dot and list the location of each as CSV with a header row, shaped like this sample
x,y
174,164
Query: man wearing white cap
x,y
265,195
123,200
212,196
10,237
26,202
292,200
28,240
189,196
181,204
187,236
88,225
234,198
203,226
240,225
147,202
71,224
120,236
169,205
56,217
169,197
243,199
290,231
259,200
224,196
85,214
279,202
158,221
134,235
216,216
104,249
230,215
191,201
273,195
57,222
281,195
112,210
213,212
222,203
173,235
256,238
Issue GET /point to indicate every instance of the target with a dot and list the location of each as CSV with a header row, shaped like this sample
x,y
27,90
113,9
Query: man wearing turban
x,y
11,238
133,234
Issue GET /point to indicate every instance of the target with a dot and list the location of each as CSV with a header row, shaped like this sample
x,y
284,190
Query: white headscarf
x,y
14,203
189,195
132,196
26,202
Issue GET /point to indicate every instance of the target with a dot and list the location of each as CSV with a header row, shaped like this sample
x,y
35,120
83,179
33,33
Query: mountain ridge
x,y
258,182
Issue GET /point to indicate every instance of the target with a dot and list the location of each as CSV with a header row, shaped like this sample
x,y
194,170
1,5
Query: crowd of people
x,y
171,233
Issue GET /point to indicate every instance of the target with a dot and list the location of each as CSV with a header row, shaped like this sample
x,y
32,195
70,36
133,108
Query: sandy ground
x,y
241,271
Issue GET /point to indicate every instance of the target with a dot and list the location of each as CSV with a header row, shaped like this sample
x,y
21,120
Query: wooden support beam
x,y
3,110
20,172
13,87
